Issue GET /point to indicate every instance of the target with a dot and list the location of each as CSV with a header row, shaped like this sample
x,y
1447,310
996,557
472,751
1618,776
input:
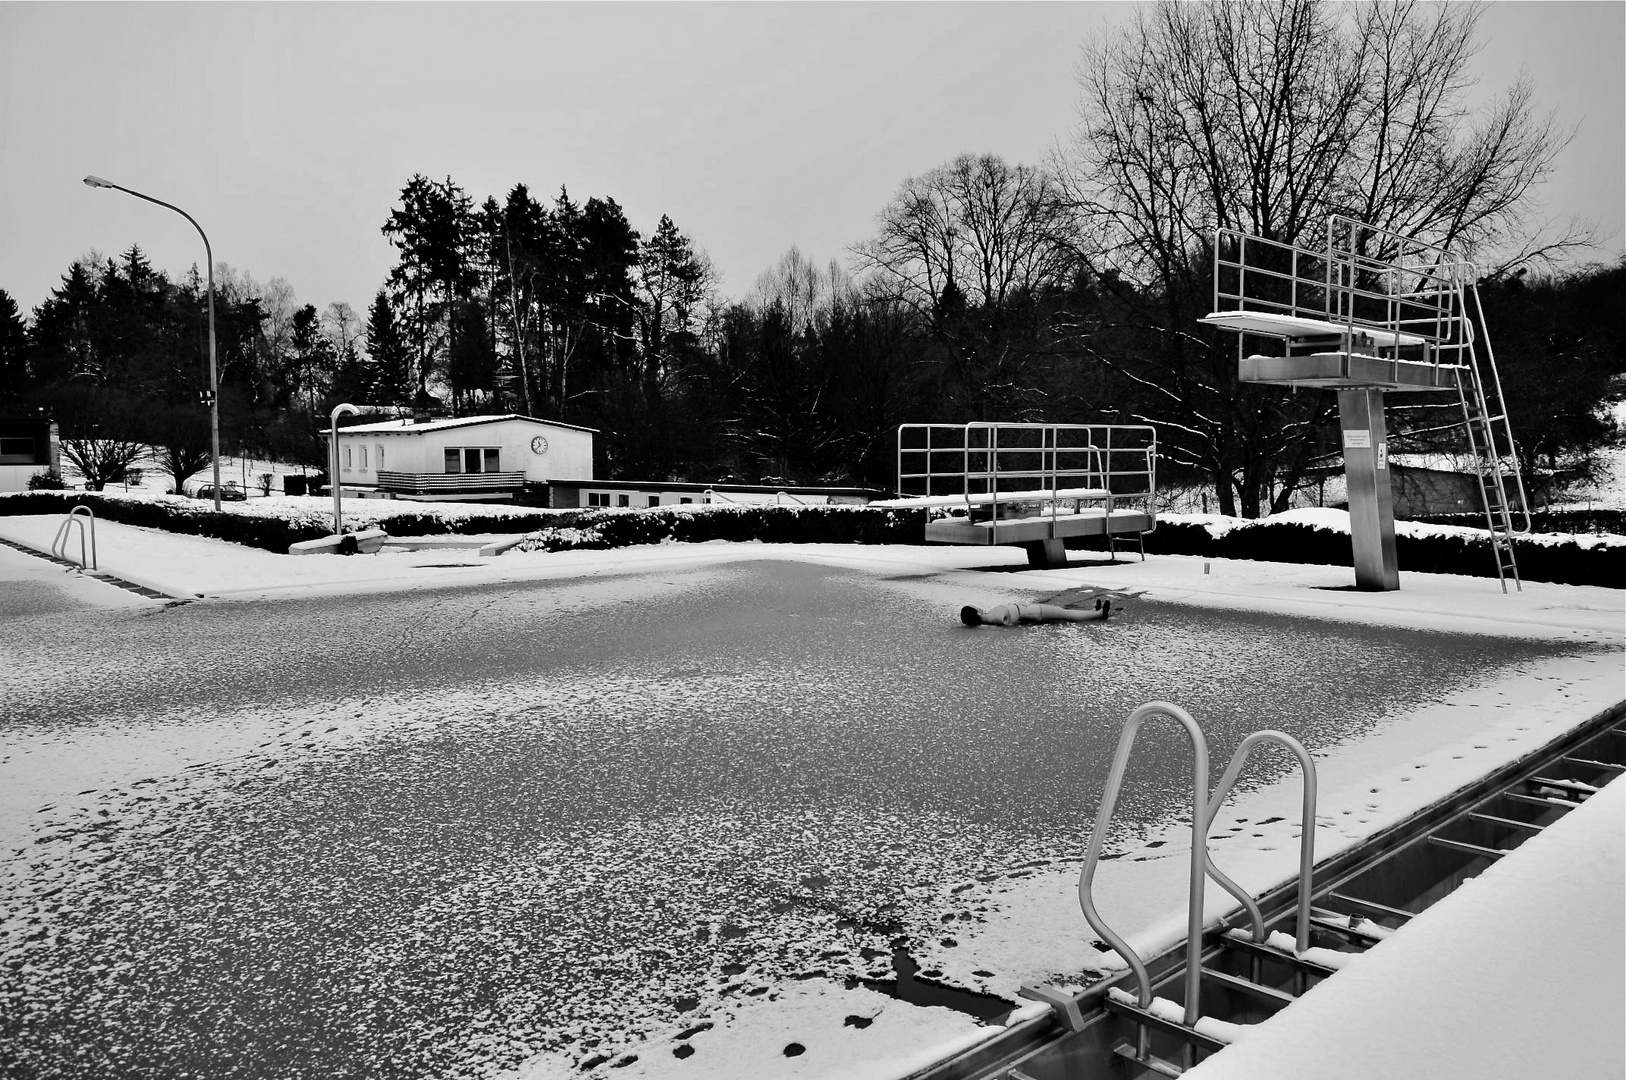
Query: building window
x,y
473,459
347,459
598,498
623,500
684,499
16,451
654,500
364,457
379,453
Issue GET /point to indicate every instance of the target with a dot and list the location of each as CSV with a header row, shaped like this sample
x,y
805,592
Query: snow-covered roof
x,y
407,424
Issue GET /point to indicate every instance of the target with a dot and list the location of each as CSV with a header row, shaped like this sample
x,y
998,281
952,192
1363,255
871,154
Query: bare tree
x,y
804,291
976,225
103,430
342,326
1268,116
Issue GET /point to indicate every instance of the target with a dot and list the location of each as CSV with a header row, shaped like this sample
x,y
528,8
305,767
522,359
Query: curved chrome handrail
x,y
1306,832
59,546
1199,831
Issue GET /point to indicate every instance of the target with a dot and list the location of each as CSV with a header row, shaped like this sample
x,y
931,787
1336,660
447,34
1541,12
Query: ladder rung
x,y
1372,905
1253,948
1540,800
1336,923
1506,823
1151,1062
1248,986
1577,788
1478,850
1168,1027
1589,763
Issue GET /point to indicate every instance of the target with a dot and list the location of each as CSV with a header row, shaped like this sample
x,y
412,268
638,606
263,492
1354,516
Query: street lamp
x,y
214,379
333,456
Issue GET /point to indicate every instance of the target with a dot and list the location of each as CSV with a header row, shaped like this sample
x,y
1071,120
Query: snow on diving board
x,y
1271,324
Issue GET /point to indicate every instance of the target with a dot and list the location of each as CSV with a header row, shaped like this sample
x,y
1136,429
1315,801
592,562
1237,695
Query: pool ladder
x,y
1185,1022
59,546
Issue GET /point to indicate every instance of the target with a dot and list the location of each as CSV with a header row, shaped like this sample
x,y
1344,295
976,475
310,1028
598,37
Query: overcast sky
x,y
288,130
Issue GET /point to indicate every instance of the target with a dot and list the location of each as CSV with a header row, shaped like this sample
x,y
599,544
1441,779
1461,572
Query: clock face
x,y
539,445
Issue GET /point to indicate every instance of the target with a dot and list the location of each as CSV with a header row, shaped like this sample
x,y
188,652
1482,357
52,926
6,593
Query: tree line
x,y
1064,292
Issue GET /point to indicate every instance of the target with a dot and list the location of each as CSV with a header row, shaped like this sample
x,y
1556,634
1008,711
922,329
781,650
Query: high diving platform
x,y
1367,313
1029,485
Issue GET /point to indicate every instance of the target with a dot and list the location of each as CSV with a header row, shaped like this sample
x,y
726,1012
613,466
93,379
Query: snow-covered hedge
x,y
694,524
273,524
1299,536
1322,537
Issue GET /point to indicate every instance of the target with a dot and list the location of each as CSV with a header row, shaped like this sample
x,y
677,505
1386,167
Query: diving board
x,y
1349,371
1370,312
1030,485
1274,324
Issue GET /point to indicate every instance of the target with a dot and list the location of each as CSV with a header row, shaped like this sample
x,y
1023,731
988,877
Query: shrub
x,y
46,482
1563,559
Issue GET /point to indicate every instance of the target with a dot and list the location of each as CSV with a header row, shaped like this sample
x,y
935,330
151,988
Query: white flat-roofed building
x,y
29,447
467,458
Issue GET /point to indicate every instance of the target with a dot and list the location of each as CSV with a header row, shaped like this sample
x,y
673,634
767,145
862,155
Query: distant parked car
x,y
229,492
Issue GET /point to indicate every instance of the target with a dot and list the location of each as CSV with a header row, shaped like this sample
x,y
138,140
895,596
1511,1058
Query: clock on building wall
x,y
539,445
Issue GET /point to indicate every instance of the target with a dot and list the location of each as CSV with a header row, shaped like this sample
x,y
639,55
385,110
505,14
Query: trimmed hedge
x,y
1546,521
196,517
1566,560
694,525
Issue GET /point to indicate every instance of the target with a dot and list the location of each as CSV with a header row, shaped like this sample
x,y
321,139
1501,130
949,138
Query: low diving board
x,y
1040,528
1030,485
1272,324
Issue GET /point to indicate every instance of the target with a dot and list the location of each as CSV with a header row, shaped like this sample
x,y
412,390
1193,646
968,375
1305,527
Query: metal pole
x,y
333,467
214,377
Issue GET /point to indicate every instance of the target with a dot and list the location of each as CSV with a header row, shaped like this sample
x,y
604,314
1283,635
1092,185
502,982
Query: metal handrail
x,y
1507,424
1337,273
59,546
1306,832
986,464
1199,831
1204,807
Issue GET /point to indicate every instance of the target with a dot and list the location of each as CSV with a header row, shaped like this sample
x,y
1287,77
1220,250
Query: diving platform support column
x,y
1371,496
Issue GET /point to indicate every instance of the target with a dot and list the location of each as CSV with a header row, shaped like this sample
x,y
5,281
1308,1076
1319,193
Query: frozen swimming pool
x,y
500,821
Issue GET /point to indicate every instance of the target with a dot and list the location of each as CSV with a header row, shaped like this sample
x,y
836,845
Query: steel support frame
x,y
1371,495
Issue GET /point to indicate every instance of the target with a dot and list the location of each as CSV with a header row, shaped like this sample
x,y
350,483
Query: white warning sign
x,y
1357,440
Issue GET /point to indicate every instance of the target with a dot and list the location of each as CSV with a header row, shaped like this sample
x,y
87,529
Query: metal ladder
x,y
1149,1014
59,546
1438,284
1490,441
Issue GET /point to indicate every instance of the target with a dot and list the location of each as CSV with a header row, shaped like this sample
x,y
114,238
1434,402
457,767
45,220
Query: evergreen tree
x,y
389,360
312,361
433,229
14,374
61,339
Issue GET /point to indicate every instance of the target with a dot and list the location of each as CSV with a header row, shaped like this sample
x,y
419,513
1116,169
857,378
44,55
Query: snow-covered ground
x,y
1034,927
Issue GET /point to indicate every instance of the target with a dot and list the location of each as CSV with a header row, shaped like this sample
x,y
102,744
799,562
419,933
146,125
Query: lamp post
x,y
333,463
214,379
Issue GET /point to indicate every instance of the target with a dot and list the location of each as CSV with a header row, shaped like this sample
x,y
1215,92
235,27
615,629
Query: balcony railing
x,y
407,483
